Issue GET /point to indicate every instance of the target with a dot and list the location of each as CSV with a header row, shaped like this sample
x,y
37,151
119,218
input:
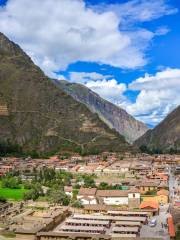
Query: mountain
x,y
164,136
39,116
114,116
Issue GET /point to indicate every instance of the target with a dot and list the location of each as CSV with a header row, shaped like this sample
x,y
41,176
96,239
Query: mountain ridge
x,y
114,116
165,136
40,116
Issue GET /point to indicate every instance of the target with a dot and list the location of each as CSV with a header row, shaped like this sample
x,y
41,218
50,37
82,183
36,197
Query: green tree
x,y
59,196
11,182
77,204
89,181
103,186
34,193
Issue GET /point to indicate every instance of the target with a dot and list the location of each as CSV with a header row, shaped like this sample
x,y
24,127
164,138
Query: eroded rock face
x,y
114,116
43,117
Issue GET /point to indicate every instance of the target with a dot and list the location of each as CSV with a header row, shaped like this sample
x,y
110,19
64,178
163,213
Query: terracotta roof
x,y
112,193
163,192
171,227
149,204
97,207
68,189
87,191
148,184
177,203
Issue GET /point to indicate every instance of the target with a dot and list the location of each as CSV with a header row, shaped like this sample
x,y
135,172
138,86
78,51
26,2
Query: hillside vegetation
x,y
39,116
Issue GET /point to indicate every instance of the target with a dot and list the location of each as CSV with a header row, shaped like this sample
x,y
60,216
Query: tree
x,y
77,204
59,196
89,181
11,182
103,186
144,149
34,193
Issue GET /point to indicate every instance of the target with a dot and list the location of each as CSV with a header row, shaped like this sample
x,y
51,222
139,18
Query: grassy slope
x,y
43,117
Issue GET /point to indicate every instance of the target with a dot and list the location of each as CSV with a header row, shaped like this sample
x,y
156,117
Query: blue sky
x,y
126,51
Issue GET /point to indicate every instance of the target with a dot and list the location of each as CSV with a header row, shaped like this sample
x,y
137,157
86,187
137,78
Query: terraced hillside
x,y
43,117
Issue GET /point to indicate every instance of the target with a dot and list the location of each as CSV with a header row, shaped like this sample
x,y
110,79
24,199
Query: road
x,y
158,230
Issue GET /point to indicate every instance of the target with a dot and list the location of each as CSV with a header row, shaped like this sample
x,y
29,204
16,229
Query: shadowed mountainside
x,y
164,136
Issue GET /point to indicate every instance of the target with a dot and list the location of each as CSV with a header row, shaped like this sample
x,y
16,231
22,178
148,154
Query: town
x,y
105,196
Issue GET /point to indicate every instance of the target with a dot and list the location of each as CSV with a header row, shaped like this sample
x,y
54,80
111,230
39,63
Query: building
x,y
150,206
162,197
69,191
130,198
146,186
87,195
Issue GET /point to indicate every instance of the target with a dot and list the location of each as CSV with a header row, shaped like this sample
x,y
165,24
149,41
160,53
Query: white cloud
x,y
56,33
84,77
135,11
110,90
159,94
162,30
104,85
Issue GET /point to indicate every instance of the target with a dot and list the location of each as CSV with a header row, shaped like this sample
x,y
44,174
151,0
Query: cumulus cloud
x,y
56,33
159,94
110,90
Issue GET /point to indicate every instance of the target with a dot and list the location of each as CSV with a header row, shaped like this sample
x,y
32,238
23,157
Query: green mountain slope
x,y
114,116
164,136
39,116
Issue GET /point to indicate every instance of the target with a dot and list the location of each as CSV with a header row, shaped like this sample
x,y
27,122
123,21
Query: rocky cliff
x,y
114,116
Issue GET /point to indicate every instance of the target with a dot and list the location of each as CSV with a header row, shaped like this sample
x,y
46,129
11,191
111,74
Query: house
x,y
130,198
87,195
5,169
145,186
162,197
68,191
150,206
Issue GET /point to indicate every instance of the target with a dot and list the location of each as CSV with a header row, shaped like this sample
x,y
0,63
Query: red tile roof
x,y
149,204
112,193
171,227
177,203
87,191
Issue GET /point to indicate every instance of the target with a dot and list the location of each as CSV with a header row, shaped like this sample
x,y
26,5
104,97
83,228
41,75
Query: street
x,y
158,230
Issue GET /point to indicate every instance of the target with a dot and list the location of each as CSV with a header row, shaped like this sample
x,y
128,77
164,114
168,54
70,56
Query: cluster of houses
x,y
104,164
137,188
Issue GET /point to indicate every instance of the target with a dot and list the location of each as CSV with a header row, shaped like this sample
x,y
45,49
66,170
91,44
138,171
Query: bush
x,y
59,196
11,182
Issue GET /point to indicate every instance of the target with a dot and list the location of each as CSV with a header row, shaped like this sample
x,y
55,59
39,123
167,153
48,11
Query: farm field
x,y
12,194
